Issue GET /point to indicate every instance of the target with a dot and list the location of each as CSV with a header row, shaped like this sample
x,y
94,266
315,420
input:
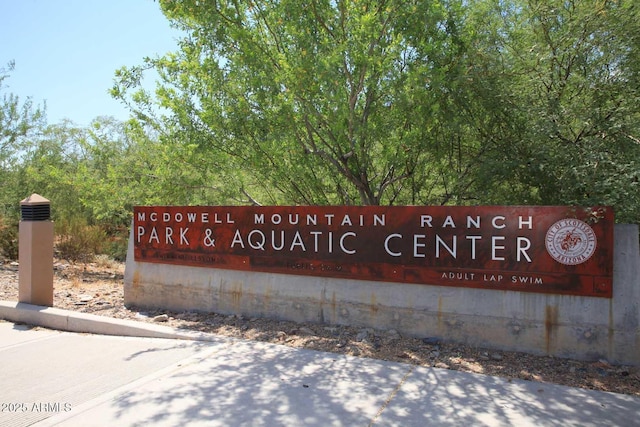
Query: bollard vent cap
x,y
35,208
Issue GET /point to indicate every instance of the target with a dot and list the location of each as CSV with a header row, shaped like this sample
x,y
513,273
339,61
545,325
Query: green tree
x,y
88,173
19,121
50,167
326,102
568,72
405,102
123,165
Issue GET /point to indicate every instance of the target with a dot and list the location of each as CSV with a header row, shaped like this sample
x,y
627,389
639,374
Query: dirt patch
x,y
97,288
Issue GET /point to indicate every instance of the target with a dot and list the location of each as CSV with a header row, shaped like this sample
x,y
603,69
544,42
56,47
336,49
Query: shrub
x,y
104,261
117,248
117,245
78,241
9,238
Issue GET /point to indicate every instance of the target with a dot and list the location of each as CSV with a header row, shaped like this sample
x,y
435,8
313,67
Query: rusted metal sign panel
x,y
563,250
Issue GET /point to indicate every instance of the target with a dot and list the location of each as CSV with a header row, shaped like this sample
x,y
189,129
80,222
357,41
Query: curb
x,y
70,321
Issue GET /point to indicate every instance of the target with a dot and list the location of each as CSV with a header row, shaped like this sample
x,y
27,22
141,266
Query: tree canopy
x,y
400,101
353,102
19,122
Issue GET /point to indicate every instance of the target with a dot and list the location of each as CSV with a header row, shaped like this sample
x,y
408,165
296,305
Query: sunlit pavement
x,y
61,378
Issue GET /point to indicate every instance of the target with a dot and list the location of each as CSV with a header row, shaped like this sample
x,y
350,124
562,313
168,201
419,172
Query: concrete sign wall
x,y
558,324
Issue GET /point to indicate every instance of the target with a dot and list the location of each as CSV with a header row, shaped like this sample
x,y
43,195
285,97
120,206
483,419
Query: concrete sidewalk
x,y
70,379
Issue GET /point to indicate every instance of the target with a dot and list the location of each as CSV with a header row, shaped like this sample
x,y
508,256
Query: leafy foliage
x,y
400,102
78,241
19,122
347,102
331,103
571,74
8,238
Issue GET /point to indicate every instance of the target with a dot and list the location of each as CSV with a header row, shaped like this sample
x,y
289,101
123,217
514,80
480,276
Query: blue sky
x,y
66,51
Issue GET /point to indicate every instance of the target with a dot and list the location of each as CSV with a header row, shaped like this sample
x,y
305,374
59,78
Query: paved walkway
x,y
70,379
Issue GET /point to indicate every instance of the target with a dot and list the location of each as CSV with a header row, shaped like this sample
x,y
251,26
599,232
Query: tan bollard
x,y
35,252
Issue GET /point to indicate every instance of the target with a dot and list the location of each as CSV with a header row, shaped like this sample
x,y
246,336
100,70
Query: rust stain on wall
x,y
266,298
550,326
136,278
374,304
611,329
235,292
333,305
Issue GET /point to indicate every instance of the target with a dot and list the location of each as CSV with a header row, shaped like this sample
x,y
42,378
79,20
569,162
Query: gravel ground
x,y
97,288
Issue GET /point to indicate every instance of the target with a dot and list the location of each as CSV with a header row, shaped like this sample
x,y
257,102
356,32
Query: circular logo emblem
x,y
570,241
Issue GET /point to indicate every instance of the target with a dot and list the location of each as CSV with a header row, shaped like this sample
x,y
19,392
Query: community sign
x,y
548,249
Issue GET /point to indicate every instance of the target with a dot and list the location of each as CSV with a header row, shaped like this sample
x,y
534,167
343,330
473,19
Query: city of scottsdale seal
x,y
570,241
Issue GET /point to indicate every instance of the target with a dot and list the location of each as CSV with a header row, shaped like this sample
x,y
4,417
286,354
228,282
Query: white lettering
x,y
473,245
452,251
495,247
471,223
315,235
448,222
344,236
140,233
257,244
386,244
522,249
237,238
528,222
426,220
297,241
183,236
154,235
273,240
417,245
495,224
